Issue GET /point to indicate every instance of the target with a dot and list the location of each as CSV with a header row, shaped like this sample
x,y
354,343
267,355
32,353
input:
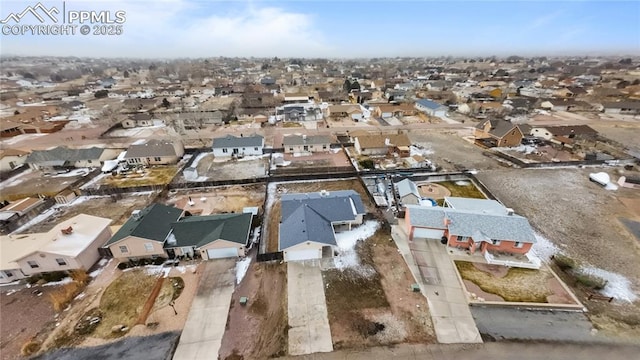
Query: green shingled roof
x,y
199,231
153,223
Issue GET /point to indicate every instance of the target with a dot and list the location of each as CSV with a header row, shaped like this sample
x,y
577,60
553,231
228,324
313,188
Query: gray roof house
x,y
238,146
408,192
155,152
431,107
306,143
309,222
476,225
68,157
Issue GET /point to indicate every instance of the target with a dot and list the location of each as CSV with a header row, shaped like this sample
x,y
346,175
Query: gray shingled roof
x,y
485,206
151,148
231,141
429,104
199,231
406,187
308,216
499,128
480,226
64,154
153,223
309,140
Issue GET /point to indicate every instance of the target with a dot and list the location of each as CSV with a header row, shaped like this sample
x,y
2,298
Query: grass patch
x,y
348,290
159,175
289,124
123,301
468,191
565,263
29,348
590,281
518,285
63,297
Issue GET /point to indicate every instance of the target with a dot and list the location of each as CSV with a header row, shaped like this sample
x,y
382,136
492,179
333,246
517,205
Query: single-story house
x,y
309,222
354,112
11,159
394,110
63,156
500,133
566,105
238,146
473,224
431,107
382,144
71,245
622,107
566,131
408,192
306,143
140,120
14,214
212,236
155,152
144,234
166,231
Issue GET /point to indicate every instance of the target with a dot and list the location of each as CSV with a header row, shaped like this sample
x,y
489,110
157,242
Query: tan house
x,y
11,159
155,152
498,133
72,244
306,143
382,144
354,112
394,110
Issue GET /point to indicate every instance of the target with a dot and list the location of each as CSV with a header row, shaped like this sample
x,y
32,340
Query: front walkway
x,y
435,273
309,330
202,334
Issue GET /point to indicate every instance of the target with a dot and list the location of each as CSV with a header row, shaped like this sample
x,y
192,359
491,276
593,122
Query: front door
x,y
235,151
171,253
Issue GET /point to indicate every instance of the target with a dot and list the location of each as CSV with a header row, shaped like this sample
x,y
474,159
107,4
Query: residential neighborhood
x,y
257,207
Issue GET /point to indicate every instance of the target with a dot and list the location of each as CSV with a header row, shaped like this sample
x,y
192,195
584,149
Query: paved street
x,y
309,330
433,269
202,334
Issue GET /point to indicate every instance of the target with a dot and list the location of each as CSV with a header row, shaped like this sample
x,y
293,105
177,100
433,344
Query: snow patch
x,y
64,281
544,248
347,240
617,286
195,162
241,269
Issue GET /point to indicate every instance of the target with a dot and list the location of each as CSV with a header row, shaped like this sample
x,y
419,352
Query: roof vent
x,y
135,214
324,193
67,231
509,211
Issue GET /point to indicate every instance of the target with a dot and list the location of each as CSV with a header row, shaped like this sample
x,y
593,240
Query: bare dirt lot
x,y
580,217
210,168
451,152
273,213
23,315
116,209
377,308
259,329
219,199
156,175
327,159
34,182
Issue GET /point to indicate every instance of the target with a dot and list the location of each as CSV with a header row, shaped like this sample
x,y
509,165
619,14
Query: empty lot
x,y
452,152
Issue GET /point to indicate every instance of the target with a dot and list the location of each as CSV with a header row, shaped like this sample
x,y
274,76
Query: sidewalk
x,y
434,272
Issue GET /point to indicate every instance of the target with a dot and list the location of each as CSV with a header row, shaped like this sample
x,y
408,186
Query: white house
x,y
238,146
431,108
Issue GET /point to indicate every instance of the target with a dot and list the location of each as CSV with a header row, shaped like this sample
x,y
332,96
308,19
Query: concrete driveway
x,y
202,334
309,330
434,271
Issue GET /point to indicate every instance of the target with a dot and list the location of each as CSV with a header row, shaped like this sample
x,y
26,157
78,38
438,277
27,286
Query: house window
x,y
61,262
148,247
495,242
33,264
225,150
463,238
324,147
255,148
8,274
89,161
518,245
157,158
124,249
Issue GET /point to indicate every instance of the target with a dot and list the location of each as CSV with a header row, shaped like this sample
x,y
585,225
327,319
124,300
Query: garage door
x,y
296,255
222,253
428,233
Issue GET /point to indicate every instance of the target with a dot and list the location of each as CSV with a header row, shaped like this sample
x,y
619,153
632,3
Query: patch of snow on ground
x,y
11,292
617,286
95,273
80,296
157,270
104,261
22,137
195,162
66,280
544,248
463,183
12,181
241,269
75,172
347,240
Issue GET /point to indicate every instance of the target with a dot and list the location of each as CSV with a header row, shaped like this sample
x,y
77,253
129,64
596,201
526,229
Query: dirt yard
x,y
376,308
259,329
210,168
328,159
110,296
157,175
220,199
463,189
102,206
273,214
451,152
501,283
24,315
580,218
34,182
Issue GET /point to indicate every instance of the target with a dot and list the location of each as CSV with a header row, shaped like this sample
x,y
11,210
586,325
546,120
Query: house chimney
x,y
135,214
304,137
67,231
509,211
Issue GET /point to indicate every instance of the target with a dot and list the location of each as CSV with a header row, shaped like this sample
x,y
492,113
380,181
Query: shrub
x,y
158,261
123,265
30,348
54,276
367,163
80,276
591,281
564,262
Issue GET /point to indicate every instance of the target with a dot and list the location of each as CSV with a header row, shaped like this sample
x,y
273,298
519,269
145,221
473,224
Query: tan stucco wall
x,y
300,148
136,248
90,255
306,246
221,244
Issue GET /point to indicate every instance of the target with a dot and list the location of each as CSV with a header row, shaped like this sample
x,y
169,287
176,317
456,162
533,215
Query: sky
x,y
335,29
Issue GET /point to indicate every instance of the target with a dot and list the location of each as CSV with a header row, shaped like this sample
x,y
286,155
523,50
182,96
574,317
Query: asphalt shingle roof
x,y
429,104
231,141
63,153
309,140
153,223
151,148
406,187
198,231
